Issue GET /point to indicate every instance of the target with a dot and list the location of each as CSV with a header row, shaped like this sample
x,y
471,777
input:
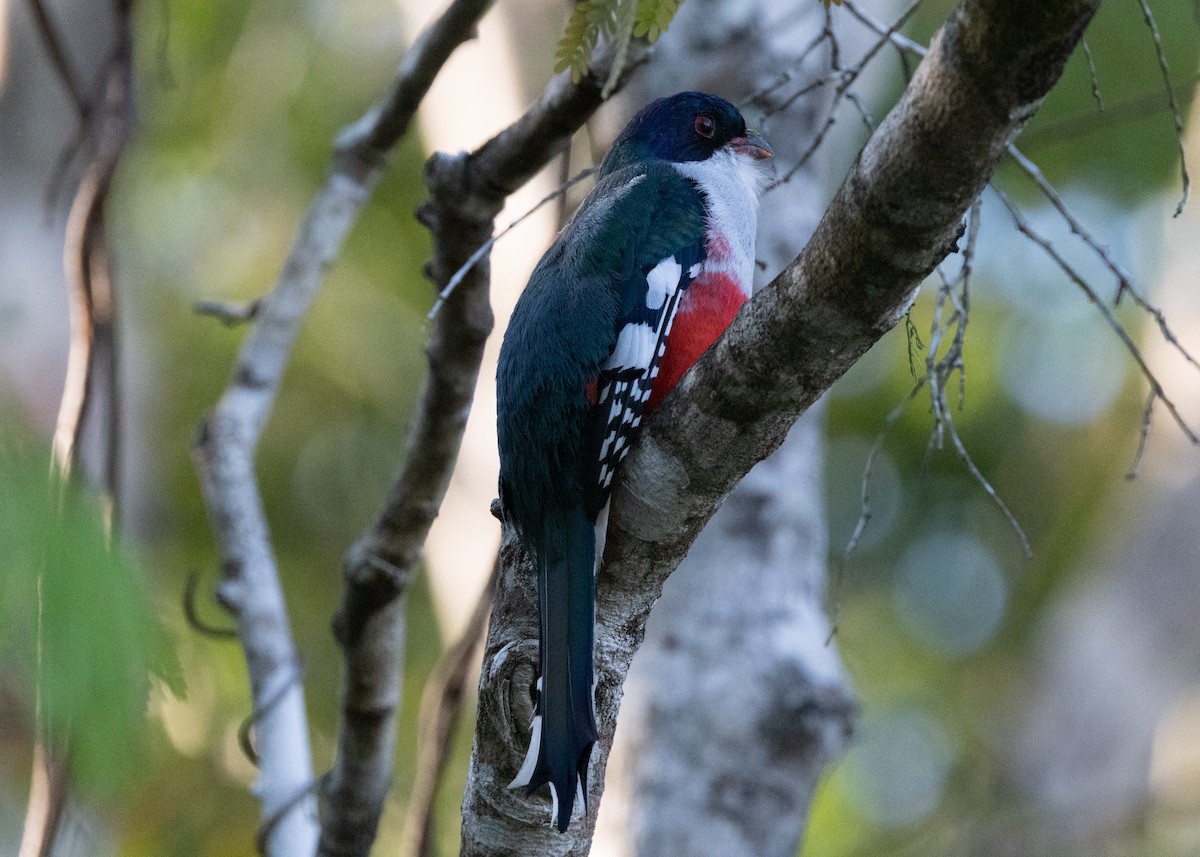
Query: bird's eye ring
x,y
706,126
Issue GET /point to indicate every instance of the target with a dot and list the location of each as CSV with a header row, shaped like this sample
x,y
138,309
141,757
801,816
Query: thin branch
x,y
902,42
192,615
865,514
92,360
1143,436
1146,103
1106,313
1125,284
245,731
268,825
983,482
59,58
1095,78
795,67
486,248
230,315
846,79
227,439
1176,113
442,703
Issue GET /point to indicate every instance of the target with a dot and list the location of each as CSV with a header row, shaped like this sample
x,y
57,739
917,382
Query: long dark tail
x,y
564,725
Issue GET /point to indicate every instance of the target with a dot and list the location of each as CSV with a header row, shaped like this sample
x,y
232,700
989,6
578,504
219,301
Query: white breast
x,y
732,184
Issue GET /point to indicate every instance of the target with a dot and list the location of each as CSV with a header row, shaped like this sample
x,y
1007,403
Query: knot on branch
x,y
355,153
372,582
507,694
458,194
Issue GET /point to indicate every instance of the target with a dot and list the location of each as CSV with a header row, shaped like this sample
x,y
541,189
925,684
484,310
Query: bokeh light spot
x,y
950,592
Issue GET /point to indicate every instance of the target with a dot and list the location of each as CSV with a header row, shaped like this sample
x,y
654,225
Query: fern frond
x,y
653,18
589,20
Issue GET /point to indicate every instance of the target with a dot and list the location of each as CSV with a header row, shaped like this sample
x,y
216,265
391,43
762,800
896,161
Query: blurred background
x,y
1010,704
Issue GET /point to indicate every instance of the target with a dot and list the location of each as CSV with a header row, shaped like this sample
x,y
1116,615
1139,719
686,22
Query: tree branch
x,y
897,214
225,446
91,387
87,259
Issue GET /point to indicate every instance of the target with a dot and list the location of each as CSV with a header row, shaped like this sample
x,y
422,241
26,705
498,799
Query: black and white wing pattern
x,y
626,378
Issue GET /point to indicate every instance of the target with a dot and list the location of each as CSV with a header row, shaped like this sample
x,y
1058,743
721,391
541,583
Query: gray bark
x,y
898,213
224,452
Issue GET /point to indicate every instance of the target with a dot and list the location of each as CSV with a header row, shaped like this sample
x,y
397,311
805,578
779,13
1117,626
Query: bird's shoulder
x,y
635,217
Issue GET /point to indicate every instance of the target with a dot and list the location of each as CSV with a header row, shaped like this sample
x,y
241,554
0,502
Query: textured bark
x,y
250,587
896,216
736,701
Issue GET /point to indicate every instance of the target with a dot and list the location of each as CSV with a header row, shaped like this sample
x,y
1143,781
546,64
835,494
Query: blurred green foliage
x,y
239,104
80,636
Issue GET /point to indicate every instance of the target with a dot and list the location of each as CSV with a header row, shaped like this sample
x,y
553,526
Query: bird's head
x,y
690,126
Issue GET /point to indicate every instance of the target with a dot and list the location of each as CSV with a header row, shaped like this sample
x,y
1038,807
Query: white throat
x,y
732,184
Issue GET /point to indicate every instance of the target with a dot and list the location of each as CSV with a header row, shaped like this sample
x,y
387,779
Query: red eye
x,y
706,126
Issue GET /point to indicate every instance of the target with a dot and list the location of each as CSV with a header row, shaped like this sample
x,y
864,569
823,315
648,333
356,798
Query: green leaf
x,y
77,623
621,20
653,17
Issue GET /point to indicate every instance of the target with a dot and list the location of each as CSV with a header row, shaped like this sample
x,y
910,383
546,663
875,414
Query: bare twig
x,y
794,68
1106,312
1125,284
1176,113
60,60
846,78
902,42
983,482
486,247
268,825
865,514
1087,52
92,361
940,370
1146,103
441,705
230,315
1143,436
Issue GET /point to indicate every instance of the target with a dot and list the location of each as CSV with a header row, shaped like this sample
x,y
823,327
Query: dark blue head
x,y
689,126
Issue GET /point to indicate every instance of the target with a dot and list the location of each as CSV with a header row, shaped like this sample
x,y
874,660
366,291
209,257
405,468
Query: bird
x,y
649,271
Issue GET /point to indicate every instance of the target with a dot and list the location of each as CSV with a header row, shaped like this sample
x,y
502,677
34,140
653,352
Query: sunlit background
x,y
1040,705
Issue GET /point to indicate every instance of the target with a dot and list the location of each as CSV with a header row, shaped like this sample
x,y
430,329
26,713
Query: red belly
x,y
705,310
